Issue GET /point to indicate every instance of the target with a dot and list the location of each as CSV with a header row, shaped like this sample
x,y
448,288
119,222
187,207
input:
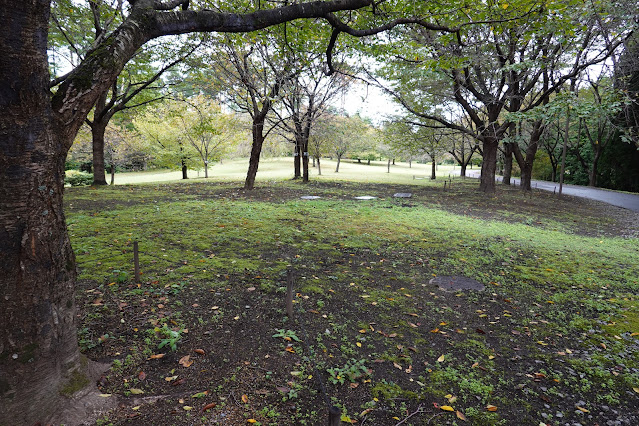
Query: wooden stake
x,y
289,293
334,416
136,262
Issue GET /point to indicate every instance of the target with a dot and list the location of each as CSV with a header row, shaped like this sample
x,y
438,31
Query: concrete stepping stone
x,y
456,283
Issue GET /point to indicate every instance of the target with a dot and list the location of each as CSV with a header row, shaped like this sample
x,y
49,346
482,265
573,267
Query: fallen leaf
x,y
447,408
106,395
142,375
199,351
441,358
582,409
208,406
186,361
290,349
491,408
245,399
178,382
136,391
156,356
251,421
460,415
170,378
636,389
365,412
187,408
354,385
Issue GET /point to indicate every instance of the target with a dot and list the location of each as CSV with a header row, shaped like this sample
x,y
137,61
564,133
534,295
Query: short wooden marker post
x,y
136,262
334,416
289,293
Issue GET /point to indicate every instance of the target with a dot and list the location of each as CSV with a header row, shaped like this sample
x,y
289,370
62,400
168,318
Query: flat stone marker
x,y
365,197
402,195
456,282
310,197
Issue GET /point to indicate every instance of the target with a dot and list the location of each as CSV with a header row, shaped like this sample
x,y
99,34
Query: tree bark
x,y
433,169
531,152
38,343
184,170
297,161
256,151
339,160
319,167
98,129
489,163
508,163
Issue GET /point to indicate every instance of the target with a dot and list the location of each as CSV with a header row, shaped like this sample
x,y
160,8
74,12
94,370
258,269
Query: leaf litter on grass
x,y
505,347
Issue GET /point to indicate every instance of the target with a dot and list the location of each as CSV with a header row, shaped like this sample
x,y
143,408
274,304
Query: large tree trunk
x,y
489,163
38,344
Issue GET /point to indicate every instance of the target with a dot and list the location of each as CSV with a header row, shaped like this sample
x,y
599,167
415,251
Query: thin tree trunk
x,y
206,169
112,174
305,165
256,151
432,170
388,166
319,167
297,161
184,170
339,160
508,163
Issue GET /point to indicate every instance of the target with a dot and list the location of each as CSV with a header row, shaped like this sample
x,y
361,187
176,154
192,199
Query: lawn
x,y
204,337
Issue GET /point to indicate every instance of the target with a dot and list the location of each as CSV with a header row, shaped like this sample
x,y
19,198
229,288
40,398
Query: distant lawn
x,y
282,169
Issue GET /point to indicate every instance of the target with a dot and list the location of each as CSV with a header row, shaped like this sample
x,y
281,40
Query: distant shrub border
x,y
77,178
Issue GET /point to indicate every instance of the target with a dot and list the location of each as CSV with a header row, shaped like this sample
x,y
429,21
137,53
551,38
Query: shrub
x,y
77,178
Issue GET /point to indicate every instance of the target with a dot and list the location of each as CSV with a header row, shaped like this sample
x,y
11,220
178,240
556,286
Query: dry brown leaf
x,y
460,415
186,361
156,356
199,351
490,407
245,399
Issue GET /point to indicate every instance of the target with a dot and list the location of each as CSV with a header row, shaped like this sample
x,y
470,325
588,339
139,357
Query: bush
x,y
77,178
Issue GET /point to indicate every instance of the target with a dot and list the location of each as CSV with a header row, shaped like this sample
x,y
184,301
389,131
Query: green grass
x,y
558,319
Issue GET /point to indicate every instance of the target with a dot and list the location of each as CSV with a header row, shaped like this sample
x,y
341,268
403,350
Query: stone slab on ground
x,y
456,283
366,197
402,195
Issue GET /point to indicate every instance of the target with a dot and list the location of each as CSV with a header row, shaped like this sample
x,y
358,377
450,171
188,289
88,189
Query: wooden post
x,y
136,262
334,416
289,293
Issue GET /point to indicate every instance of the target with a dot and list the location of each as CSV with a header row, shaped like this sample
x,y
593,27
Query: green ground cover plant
x,y
204,337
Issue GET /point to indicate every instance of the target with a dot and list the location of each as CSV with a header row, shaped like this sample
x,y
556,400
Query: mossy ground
x,y
553,339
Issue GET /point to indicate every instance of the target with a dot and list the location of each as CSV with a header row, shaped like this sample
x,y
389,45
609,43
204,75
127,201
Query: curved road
x,y
621,199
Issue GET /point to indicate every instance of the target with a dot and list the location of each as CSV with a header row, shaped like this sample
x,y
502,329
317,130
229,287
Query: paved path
x,y
621,199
